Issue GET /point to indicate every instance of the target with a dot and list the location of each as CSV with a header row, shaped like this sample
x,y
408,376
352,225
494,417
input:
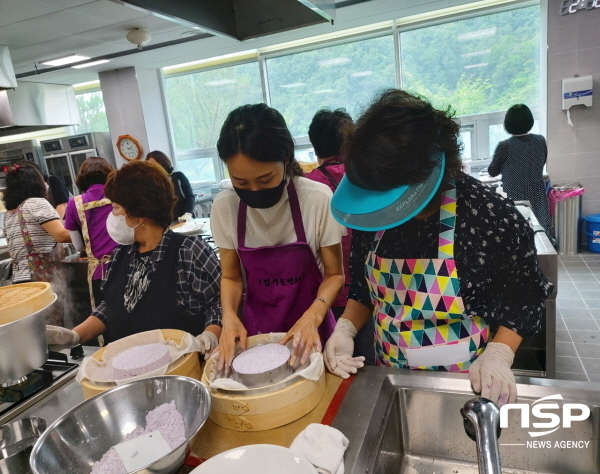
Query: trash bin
x,y
565,208
592,231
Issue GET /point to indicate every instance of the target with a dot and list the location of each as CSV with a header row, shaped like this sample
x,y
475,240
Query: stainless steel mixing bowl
x,y
82,435
16,441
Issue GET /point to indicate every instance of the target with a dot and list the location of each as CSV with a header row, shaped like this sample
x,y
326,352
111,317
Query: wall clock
x,y
129,148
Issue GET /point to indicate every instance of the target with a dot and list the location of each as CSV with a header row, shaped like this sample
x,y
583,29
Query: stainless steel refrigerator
x,y
64,156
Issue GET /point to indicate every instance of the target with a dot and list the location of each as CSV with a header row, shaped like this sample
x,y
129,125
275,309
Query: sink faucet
x,y
482,424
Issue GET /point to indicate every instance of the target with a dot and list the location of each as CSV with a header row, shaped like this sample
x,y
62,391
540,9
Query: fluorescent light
x,y
233,56
477,34
334,61
483,52
93,63
476,65
293,84
73,58
323,91
84,84
361,74
219,82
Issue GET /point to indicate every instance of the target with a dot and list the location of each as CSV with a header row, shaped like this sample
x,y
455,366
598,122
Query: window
x,y
197,168
345,75
91,112
199,102
478,65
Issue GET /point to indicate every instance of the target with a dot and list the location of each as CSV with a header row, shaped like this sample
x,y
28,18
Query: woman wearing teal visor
x,y
445,267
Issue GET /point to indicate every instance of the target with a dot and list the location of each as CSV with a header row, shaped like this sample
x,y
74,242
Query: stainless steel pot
x,y
16,442
23,345
263,379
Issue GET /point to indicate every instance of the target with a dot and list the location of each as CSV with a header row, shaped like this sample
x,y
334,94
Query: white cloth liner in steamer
x,y
311,369
95,371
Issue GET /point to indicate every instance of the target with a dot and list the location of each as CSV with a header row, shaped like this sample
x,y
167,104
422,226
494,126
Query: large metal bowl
x,y
23,345
16,441
79,438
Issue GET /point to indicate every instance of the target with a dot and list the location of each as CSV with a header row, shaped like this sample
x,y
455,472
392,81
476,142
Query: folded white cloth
x,y
323,446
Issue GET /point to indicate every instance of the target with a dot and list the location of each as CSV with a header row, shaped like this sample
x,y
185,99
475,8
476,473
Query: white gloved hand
x,y
185,217
491,376
208,341
339,349
60,336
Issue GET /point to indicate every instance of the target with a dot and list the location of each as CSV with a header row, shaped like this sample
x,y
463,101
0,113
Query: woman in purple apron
x,y
279,244
446,269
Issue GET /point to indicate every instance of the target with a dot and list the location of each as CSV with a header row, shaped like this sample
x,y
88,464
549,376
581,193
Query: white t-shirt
x,y
36,211
274,226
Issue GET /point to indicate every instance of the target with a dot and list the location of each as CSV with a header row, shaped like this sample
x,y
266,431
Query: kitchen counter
x,y
212,438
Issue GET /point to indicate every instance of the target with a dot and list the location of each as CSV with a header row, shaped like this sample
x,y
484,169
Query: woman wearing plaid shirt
x,y
156,279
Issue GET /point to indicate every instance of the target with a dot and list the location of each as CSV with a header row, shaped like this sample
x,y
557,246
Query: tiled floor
x,y
578,318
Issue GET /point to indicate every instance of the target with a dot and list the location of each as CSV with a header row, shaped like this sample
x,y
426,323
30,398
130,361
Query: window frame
x,y
395,28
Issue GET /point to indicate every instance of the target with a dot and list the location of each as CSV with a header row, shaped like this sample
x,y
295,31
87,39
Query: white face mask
x,y
119,231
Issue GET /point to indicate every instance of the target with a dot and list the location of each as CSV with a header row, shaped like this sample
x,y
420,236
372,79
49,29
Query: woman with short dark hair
x,y
446,268
32,227
155,278
276,225
183,189
86,221
521,159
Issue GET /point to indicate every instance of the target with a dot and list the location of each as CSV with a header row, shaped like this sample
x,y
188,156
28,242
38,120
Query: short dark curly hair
x,y
144,190
518,120
94,170
326,131
395,140
23,183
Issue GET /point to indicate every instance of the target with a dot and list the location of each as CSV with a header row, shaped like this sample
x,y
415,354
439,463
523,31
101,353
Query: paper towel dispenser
x,y
576,91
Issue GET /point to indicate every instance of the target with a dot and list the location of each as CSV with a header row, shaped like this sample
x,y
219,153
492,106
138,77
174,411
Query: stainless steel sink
x,y
409,422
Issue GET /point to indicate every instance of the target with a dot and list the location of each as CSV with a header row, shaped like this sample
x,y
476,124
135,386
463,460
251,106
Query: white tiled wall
x,y
574,152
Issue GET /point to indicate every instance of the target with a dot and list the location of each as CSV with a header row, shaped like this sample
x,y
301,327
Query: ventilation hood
x,y
36,106
7,73
239,19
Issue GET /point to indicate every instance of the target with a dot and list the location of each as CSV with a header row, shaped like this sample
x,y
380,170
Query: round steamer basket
x,y
266,407
188,366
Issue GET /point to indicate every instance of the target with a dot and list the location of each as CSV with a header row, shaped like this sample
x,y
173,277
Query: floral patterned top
x,y
500,279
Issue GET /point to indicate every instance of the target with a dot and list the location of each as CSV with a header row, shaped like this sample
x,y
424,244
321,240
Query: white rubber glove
x,y
491,376
185,217
339,349
208,341
60,336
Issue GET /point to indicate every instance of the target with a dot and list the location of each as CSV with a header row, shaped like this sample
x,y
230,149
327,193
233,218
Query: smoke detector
x,y
139,37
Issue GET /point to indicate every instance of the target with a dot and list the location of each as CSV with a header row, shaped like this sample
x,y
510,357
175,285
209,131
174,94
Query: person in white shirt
x,y
276,225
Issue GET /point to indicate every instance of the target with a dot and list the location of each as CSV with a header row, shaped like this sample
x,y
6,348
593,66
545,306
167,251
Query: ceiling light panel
x,y
73,58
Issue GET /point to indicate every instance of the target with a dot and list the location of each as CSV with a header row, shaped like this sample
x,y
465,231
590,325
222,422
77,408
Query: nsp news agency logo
x,y
545,409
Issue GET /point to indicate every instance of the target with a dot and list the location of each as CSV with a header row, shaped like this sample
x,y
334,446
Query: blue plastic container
x,y
592,230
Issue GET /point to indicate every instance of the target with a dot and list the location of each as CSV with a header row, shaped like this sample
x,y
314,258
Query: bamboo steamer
x,y
264,411
188,366
23,299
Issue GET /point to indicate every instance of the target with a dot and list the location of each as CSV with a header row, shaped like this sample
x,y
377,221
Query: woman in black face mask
x,y
277,225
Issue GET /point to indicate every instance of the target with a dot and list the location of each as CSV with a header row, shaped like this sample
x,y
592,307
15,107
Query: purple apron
x,y
281,281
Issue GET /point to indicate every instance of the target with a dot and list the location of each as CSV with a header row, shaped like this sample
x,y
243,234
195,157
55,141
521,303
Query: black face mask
x,y
263,198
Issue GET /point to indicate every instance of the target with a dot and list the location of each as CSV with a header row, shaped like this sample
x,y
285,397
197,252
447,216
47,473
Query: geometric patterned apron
x,y
93,262
418,309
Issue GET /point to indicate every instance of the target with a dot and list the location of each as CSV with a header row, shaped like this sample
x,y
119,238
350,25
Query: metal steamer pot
x,y
23,345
